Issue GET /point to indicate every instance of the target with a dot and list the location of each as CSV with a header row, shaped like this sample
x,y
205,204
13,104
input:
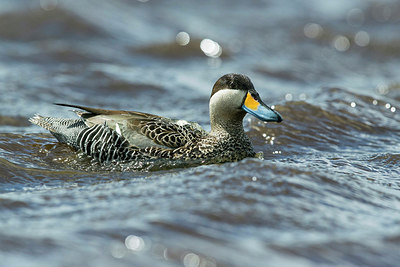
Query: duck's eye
x,y
255,95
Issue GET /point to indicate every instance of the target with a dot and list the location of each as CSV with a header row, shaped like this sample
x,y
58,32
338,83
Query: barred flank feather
x,y
105,145
99,141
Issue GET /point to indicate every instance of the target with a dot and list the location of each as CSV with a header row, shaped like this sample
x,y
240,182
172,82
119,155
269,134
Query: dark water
x,y
326,193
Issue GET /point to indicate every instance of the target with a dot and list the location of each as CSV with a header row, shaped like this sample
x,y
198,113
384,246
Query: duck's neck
x,y
224,116
231,126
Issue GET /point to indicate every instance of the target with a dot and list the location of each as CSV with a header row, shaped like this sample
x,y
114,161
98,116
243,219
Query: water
x,y
326,193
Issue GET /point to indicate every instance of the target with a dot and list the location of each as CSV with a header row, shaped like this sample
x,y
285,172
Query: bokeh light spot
x,y
210,48
289,97
191,260
341,43
312,30
383,89
355,17
134,243
118,251
48,4
183,38
361,38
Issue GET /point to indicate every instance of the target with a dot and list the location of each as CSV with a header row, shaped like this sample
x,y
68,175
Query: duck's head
x,y
233,95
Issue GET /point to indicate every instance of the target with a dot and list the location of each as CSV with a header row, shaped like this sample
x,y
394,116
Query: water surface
x,y
326,193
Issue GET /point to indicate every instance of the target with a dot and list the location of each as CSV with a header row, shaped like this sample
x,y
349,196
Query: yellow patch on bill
x,y
251,103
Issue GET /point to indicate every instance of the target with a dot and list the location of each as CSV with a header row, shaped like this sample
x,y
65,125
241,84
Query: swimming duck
x,y
116,135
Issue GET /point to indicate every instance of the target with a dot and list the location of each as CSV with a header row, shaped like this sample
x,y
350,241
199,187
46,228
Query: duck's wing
x,y
142,129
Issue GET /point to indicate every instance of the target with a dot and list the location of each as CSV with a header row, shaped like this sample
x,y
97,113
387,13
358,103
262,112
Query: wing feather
x,y
142,129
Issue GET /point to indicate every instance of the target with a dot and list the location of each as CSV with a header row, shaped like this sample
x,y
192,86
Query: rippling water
x,y
326,192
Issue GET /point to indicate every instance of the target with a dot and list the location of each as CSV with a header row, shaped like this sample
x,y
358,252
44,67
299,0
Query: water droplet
x,y
387,105
375,102
393,109
353,104
254,178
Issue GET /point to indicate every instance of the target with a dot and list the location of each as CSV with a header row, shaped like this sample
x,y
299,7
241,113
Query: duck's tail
x,y
65,130
98,141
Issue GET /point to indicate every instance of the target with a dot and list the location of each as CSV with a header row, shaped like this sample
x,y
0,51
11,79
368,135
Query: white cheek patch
x,y
227,99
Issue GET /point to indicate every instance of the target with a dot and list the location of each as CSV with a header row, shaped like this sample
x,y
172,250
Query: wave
x,y
37,24
342,120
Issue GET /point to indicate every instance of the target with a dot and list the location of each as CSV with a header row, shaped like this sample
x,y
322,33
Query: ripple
x,y
56,23
388,160
334,125
326,192
13,121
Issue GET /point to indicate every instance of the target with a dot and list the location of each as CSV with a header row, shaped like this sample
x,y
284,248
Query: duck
x,y
130,136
